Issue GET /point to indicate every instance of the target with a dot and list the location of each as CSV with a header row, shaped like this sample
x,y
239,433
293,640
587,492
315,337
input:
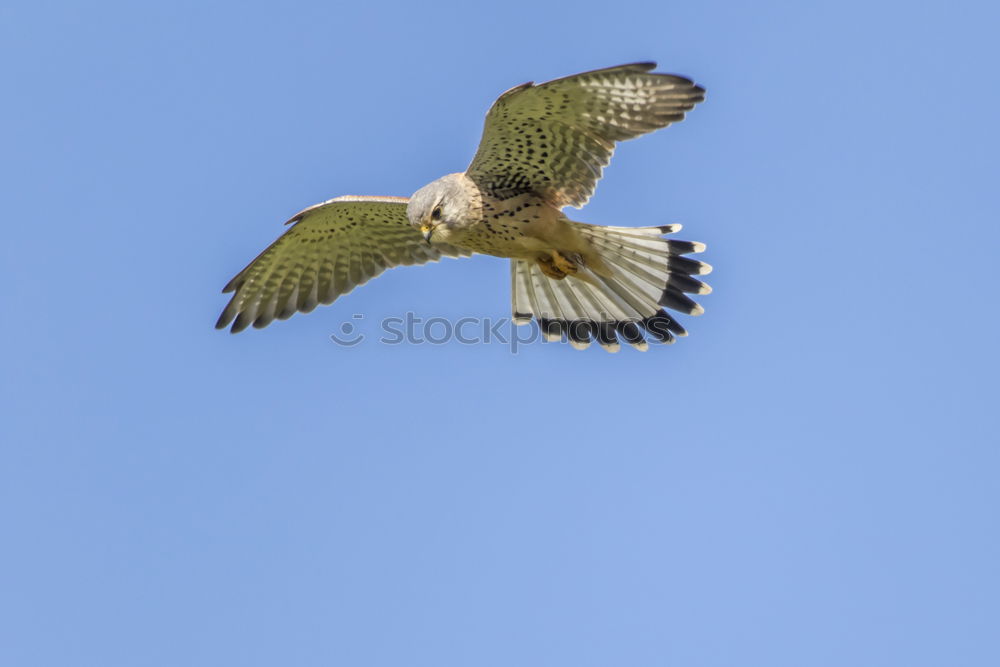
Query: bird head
x,y
440,209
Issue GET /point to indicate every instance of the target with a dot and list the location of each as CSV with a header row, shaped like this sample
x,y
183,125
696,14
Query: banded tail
x,y
649,273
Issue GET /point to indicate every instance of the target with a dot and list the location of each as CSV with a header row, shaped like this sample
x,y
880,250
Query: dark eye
x,y
436,213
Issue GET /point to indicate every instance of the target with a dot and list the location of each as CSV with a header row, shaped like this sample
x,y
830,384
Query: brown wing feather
x,y
331,248
555,139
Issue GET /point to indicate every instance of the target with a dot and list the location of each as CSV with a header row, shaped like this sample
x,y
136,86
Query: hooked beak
x,y
427,229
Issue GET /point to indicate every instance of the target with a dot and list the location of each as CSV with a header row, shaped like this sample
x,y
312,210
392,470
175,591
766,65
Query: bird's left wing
x,y
555,139
331,248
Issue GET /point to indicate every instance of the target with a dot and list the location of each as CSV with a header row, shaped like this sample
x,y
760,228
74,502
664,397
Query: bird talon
x,y
564,264
550,269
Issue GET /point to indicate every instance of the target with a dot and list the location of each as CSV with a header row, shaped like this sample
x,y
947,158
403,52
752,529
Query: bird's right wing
x,y
555,139
331,248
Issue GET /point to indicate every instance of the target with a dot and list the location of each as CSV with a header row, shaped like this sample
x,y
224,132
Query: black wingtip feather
x,y
241,322
604,332
551,329
226,316
686,265
684,247
660,326
679,302
684,283
580,331
629,331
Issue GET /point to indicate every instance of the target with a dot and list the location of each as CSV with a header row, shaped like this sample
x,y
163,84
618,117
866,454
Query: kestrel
x,y
543,148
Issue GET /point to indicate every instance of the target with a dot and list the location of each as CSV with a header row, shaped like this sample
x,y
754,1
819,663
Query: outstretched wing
x,y
554,139
332,248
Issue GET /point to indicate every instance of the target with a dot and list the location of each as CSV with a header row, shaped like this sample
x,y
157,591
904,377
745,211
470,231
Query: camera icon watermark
x,y
350,334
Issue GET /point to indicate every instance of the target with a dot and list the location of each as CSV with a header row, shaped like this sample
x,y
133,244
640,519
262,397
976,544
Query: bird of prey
x,y
543,148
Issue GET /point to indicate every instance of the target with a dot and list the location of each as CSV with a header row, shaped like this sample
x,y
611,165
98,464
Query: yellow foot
x,y
549,268
564,263
558,266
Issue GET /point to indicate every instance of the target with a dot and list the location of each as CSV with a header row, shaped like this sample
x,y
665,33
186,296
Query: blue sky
x,y
810,478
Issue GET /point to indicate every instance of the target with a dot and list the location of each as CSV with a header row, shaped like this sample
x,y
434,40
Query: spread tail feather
x,y
648,273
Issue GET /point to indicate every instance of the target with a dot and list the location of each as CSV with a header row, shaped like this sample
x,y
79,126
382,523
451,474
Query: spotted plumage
x,y
555,139
543,148
331,248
